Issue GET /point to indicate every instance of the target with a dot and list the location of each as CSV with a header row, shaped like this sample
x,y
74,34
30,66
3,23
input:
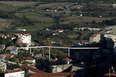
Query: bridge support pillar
x,y
68,52
49,54
30,50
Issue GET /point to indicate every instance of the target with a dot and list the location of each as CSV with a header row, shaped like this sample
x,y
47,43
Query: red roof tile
x,y
1,35
67,59
97,33
59,29
32,69
111,74
7,55
47,51
22,43
49,45
54,60
29,58
52,75
23,61
14,71
93,36
27,35
43,41
43,51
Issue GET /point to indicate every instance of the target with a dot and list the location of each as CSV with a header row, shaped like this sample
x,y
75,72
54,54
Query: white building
x,y
21,29
95,38
2,66
15,73
24,40
31,61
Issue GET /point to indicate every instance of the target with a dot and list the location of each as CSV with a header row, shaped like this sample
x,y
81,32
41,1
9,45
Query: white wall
x,y
15,74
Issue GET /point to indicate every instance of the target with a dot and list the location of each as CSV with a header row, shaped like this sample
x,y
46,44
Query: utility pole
x,y
49,54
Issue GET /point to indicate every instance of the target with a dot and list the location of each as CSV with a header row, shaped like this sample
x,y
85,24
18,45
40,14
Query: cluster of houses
x,y
99,35
57,67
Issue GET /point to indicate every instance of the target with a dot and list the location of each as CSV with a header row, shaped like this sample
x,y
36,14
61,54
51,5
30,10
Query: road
x,y
67,10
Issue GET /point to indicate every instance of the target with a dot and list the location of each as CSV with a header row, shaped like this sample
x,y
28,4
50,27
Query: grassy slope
x,y
37,14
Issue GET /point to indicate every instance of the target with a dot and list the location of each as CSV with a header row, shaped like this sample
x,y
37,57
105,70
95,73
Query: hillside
x,y
66,15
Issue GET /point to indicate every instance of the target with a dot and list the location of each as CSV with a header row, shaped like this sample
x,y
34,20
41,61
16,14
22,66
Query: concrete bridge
x,y
57,47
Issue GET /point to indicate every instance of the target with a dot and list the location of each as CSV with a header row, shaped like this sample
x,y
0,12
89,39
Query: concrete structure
x,y
69,67
24,39
95,38
59,68
15,73
12,49
2,66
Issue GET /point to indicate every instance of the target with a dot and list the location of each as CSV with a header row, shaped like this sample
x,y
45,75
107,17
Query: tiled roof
x,y
67,59
43,41
47,51
93,36
40,73
111,74
32,69
18,34
14,71
1,35
59,29
49,45
29,58
27,35
54,60
52,75
97,33
7,55
43,51
23,61
22,43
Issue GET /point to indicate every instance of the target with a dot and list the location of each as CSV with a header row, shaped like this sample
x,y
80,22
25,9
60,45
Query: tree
x,y
26,72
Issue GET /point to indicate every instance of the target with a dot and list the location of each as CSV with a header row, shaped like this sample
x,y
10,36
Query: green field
x,y
38,14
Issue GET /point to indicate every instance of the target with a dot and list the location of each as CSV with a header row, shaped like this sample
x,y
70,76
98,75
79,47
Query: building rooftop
x,y
14,71
52,75
7,55
27,35
32,69
111,74
67,59
29,58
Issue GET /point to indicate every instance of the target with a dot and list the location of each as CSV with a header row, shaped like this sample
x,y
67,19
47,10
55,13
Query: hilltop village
x,y
21,57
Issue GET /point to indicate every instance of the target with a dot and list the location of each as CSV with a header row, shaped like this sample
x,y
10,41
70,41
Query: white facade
x,y
2,66
24,39
95,38
31,61
15,74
